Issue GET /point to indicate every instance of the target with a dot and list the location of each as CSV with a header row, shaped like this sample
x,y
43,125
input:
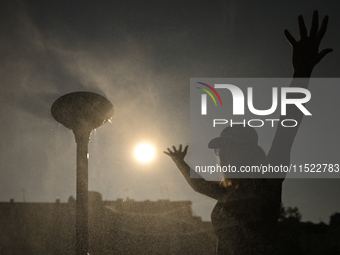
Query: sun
x,y
144,152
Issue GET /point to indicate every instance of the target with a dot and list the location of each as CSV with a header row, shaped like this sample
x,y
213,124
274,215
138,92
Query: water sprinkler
x,y
82,112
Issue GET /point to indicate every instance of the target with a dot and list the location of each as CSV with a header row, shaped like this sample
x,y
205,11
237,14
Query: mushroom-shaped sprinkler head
x,y
82,111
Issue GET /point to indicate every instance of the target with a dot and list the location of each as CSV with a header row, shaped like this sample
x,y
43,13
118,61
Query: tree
x,y
335,220
289,213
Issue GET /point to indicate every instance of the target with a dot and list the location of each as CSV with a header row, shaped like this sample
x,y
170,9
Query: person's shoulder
x,y
275,181
269,188
272,185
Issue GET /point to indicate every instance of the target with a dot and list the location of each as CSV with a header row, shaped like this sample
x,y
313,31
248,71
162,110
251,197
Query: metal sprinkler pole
x,y
82,231
82,112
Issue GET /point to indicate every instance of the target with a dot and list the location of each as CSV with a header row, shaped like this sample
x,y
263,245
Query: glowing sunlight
x,y
144,152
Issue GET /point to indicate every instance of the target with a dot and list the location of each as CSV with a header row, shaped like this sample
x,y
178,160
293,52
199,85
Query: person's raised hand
x,y
177,155
306,51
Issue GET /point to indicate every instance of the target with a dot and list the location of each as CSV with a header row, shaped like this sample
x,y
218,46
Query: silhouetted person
x,y
247,210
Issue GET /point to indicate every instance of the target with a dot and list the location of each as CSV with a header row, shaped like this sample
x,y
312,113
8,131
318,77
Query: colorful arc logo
x,y
208,92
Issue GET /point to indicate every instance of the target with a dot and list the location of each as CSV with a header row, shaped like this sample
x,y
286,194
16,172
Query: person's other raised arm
x,y
305,56
209,188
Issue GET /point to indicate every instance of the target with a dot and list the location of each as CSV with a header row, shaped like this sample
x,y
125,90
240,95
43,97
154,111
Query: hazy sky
x,y
141,56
